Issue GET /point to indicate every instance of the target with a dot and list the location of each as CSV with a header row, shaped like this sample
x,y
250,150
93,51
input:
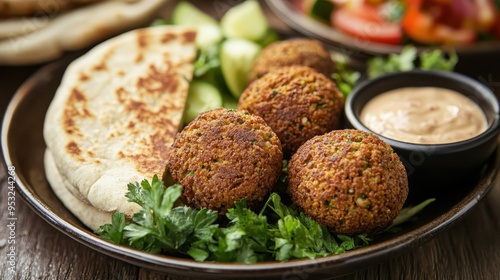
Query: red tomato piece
x,y
366,23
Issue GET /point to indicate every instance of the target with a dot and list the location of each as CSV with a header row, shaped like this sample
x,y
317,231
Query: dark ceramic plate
x,y
23,147
354,46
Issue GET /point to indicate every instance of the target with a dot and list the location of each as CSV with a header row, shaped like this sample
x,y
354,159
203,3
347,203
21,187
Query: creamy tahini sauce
x,y
426,115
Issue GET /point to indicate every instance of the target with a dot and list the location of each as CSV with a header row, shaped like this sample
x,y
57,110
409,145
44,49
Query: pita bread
x,y
36,40
29,7
116,113
10,28
89,215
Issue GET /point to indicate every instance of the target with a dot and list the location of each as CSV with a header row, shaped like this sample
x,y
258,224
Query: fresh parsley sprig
x,y
406,61
278,232
207,59
436,60
345,78
158,226
393,63
297,236
409,59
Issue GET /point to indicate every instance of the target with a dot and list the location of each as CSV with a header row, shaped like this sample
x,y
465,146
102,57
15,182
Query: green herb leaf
x,y
393,63
345,78
113,232
436,60
274,203
322,9
248,237
207,59
409,212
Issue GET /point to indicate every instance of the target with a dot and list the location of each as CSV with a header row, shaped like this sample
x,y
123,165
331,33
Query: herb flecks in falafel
x,y
224,156
349,181
297,102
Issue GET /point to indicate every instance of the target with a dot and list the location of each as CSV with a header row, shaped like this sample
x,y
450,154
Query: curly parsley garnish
x,y
278,232
406,61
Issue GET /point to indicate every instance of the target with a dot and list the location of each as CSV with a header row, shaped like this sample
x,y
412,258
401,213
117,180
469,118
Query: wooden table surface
x,y
470,249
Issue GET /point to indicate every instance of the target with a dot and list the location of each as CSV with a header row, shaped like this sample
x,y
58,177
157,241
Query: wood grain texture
x,y
470,249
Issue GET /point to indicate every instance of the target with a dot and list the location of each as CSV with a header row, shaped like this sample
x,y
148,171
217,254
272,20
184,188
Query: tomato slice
x,y
366,23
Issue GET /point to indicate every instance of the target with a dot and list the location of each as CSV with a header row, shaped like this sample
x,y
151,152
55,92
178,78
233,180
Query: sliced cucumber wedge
x,y
186,13
245,20
236,58
208,35
209,32
202,96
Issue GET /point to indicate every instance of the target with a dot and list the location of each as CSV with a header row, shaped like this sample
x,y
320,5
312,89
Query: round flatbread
x,y
10,28
9,8
39,39
116,113
86,213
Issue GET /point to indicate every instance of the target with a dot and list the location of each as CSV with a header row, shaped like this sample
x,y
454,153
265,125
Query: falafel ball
x,y
225,155
297,102
350,181
301,51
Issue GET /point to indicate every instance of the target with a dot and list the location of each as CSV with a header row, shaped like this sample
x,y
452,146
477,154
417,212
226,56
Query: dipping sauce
x,y
424,115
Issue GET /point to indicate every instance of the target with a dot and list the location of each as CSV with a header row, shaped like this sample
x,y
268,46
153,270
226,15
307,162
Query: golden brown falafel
x,y
349,181
225,155
301,51
297,102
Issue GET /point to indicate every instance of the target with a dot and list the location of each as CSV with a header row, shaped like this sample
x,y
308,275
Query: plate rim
x,y
379,251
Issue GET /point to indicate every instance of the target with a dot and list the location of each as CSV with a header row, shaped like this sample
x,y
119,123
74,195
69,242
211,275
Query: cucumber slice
x,y
202,96
215,78
209,32
186,13
208,35
245,20
236,58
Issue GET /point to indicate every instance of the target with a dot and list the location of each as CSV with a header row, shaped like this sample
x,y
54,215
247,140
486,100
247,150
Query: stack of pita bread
x,y
114,117
35,31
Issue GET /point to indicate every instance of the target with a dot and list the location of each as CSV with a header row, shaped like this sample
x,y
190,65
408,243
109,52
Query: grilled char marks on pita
x,y
117,111
147,151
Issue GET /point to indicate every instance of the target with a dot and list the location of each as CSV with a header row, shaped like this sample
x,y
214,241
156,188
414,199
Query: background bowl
x,y
434,163
360,48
